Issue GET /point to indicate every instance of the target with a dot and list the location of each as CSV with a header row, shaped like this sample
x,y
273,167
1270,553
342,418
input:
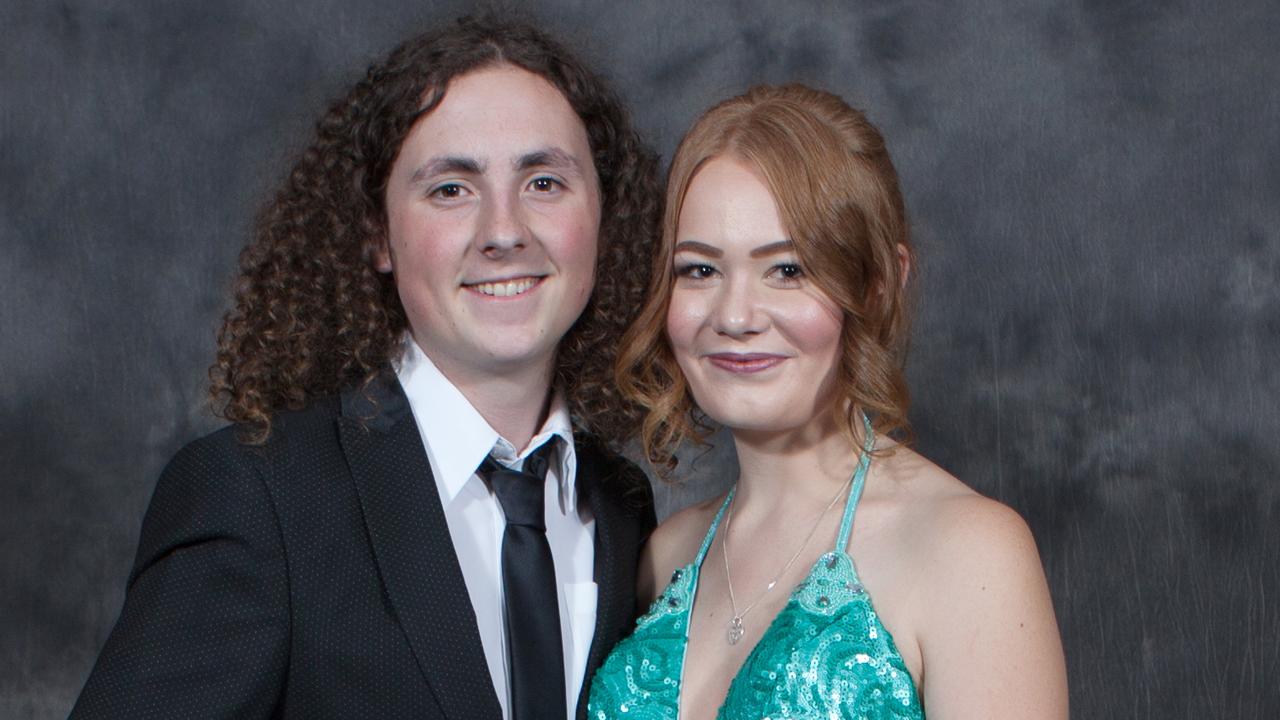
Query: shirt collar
x,y
457,437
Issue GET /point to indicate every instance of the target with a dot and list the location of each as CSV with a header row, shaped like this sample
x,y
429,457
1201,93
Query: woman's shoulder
x,y
980,555
949,521
965,546
681,534
674,544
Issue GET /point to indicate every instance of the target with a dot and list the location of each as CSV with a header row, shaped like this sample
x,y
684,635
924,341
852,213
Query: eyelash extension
x,y
798,274
703,270
686,270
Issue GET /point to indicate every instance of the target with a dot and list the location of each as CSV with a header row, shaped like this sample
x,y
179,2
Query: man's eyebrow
x,y
447,164
774,248
550,157
698,247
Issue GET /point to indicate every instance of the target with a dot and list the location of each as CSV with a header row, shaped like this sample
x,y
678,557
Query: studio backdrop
x,y
1094,190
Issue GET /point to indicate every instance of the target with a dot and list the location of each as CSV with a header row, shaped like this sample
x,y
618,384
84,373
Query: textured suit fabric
x,y
314,577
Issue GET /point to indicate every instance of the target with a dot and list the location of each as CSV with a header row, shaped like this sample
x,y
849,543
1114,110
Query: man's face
x,y
493,212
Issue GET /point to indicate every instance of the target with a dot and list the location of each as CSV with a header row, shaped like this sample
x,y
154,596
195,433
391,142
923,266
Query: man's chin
x,y
516,360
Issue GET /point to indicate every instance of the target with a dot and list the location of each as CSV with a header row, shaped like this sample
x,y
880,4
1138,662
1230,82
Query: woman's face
x,y
757,340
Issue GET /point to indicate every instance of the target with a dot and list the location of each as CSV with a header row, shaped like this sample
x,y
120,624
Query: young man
x,y
415,515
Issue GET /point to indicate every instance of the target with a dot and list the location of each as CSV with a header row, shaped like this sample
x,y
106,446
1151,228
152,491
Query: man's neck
x,y
514,403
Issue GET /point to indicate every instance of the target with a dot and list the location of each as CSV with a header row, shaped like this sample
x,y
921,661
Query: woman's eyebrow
x,y
774,248
698,247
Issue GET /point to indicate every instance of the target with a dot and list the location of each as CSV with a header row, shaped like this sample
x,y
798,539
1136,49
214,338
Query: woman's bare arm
x,y
989,637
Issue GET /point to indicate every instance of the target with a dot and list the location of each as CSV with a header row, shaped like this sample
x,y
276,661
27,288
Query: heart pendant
x,y
735,630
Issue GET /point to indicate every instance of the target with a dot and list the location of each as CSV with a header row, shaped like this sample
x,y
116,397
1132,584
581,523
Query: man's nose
x,y
502,229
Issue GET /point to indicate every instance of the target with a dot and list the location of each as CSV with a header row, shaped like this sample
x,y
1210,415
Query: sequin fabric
x,y
641,677
826,654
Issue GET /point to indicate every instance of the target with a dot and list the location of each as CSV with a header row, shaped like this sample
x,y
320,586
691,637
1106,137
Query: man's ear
x,y
381,255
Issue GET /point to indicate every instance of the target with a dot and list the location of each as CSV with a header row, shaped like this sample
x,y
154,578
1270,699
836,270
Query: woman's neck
x,y
794,470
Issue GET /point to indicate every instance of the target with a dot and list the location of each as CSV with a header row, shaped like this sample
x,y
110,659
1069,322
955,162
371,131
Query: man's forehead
x,y
500,118
502,93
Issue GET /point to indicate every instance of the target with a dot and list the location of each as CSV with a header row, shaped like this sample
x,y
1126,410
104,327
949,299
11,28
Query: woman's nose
x,y
737,311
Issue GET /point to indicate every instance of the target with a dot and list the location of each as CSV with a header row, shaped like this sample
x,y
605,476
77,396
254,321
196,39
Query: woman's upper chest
x,y
825,651
712,661
883,571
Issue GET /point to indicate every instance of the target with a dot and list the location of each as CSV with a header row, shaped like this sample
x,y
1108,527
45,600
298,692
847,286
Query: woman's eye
x,y
787,271
545,184
695,271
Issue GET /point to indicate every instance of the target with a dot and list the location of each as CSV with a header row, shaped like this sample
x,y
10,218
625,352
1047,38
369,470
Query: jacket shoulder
x,y
291,431
605,470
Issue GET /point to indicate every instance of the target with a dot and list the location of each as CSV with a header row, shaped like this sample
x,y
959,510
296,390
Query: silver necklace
x,y
736,629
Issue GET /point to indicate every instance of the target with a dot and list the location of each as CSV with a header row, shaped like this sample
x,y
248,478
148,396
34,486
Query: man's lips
x,y
745,362
503,288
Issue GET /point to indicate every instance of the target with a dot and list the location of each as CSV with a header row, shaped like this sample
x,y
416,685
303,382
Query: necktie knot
x,y
521,492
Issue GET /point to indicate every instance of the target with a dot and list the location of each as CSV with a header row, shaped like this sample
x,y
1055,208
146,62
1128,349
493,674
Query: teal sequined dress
x,y
826,655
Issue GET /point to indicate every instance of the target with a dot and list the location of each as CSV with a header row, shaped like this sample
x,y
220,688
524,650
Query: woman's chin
x,y
760,423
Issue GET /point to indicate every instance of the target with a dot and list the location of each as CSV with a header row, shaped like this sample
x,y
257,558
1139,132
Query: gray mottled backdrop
x,y
1095,191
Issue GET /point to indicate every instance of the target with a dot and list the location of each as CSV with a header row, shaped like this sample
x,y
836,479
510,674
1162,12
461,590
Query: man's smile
x,y
505,288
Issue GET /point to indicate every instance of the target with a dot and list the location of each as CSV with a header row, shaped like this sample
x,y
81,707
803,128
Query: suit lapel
x,y
616,543
413,549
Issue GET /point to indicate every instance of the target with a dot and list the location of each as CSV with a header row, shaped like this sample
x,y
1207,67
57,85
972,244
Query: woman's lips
x,y
745,363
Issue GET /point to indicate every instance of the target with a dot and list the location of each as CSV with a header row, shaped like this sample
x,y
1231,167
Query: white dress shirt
x,y
457,439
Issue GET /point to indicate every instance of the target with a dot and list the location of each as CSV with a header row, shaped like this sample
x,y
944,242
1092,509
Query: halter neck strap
x,y
855,490
715,524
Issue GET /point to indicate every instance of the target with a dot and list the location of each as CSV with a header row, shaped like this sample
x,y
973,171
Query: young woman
x,y
844,576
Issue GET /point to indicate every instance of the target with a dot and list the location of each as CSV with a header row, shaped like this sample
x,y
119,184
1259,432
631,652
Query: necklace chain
x,y
736,629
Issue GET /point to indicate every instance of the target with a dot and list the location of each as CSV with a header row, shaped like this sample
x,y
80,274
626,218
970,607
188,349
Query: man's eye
x,y
545,184
449,191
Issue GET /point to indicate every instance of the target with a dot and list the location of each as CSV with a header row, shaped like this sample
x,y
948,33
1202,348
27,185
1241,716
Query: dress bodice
x,y
825,655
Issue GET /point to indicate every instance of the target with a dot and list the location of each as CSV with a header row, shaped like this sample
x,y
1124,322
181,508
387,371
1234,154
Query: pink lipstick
x,y
745,363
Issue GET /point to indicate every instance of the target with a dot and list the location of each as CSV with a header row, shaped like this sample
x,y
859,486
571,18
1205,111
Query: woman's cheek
x,y
685,315
813,324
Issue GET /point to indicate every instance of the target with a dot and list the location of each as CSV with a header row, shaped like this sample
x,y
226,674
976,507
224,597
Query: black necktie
x,y
529,589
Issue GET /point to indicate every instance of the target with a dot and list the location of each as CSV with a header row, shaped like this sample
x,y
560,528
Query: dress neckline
x,y
829,558
850,506
825,648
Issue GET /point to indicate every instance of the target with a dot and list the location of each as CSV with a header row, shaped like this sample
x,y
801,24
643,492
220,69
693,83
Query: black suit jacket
x,y
314,577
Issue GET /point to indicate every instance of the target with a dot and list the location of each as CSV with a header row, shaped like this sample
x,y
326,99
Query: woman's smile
x,y
745,363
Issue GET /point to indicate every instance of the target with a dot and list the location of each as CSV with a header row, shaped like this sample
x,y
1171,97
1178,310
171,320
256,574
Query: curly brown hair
x,y
837,194
312,316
